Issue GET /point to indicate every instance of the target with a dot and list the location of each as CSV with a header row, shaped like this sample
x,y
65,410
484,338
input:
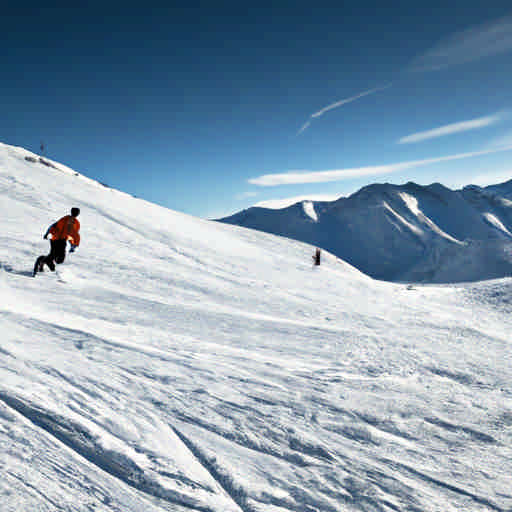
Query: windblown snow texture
x,y
404,233
177,364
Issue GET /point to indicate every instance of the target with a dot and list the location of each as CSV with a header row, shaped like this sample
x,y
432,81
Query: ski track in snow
x,y
178,364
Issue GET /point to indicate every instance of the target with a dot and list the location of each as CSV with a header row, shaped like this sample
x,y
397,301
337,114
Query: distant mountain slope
x,y
502,189
404,232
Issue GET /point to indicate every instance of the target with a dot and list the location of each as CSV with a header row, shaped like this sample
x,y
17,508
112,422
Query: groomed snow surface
x,y
179,364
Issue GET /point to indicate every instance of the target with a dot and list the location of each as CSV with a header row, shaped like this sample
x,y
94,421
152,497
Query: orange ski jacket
x,y
67,228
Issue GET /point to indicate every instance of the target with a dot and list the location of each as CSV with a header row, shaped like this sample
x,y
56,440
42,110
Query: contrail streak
x,y
349,100
340,103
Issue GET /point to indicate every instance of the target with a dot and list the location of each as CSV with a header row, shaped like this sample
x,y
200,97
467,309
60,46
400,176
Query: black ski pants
x,y
57,252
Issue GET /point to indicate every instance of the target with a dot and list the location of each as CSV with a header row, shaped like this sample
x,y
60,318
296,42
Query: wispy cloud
x,y
471,44
449,129
340,103
501,141
299,177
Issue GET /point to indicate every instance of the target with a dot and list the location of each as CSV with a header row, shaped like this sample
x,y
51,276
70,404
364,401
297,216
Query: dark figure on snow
x,y
67,228
316,257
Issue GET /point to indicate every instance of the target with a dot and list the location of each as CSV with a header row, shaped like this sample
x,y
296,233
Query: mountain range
x,y
404,232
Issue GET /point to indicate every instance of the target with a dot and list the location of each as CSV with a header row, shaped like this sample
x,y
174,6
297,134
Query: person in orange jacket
x,y
67,228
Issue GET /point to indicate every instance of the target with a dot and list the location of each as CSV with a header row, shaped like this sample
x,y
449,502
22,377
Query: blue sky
x,y
209,110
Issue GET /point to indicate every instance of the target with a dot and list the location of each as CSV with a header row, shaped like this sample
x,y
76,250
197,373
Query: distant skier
x,y
67,228
316,257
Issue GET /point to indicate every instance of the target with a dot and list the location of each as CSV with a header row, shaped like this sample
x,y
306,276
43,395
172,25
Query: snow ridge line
x,y
225,481
82,442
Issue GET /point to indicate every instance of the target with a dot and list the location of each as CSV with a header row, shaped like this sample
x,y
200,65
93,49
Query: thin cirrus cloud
x,y
339,104
501,141
450,129
302,177
472,44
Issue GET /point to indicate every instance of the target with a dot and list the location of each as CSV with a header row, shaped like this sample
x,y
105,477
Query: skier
x,y
67,228
316,257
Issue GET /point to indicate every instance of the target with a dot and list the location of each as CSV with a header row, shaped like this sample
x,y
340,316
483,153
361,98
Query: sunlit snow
x,y
412,204
402,221
497,223
309,210
177,364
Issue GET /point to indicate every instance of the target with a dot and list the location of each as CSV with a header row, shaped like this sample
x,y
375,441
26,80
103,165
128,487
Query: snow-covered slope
x,y
178,364
404,233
